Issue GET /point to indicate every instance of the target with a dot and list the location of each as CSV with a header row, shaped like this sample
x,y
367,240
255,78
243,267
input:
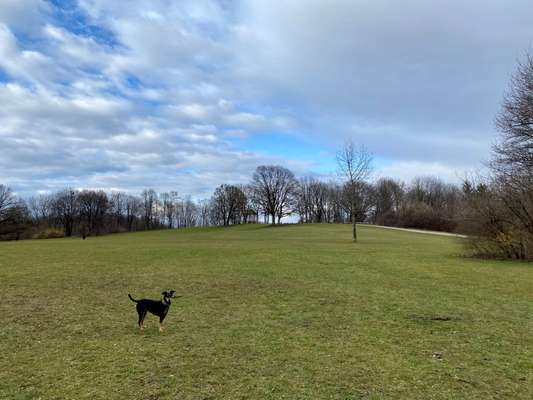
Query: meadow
x,y
289,312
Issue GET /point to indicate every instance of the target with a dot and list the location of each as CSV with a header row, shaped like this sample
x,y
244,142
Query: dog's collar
x,y
165,303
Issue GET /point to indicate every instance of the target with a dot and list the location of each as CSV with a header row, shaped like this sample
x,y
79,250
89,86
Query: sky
x,y
187,95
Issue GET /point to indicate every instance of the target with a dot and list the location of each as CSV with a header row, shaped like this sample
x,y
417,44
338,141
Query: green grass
x,y
294,312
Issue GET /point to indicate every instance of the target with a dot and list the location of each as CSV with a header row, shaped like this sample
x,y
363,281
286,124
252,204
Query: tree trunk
x,y
354,228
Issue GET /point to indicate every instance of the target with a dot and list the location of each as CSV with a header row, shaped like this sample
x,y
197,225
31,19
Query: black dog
x,y
158,308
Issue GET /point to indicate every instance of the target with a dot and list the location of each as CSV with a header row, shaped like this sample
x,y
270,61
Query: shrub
x,y
50,233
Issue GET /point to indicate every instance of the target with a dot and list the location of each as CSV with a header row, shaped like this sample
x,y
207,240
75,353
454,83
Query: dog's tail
x,y
132,299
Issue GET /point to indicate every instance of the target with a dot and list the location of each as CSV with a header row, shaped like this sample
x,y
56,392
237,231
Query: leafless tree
x,y
93,206
252,207
7,202
14,215
303,199
190,213
388,197
514,153
66,210
499,212
169,202
354,167
203,212
149,203
274,188
229,201
337,212
117,208
358,200
133,207
319,201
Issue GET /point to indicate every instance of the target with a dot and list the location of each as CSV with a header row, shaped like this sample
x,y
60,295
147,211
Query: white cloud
x,y
29,65
24,15
164,91
406,170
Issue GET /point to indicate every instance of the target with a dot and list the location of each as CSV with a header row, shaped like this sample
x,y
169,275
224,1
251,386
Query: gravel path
x,y
419,231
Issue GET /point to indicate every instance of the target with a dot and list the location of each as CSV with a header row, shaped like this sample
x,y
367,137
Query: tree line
x,y
488,211
273,194
496,211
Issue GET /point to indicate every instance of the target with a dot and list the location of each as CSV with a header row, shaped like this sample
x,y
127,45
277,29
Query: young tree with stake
x,y
354,167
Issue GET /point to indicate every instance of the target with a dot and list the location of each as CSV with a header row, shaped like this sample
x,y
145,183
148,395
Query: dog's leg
x,y
142,314
161,327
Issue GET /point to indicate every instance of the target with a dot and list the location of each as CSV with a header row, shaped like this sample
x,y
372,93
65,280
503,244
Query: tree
x,y
7,202
388,196
93,206
319,201
133,208
66,210
149,202
303,199
190,213
500,216
358,200
273,189
229,201
117,205
14,215
169,207
354,167
514,153
252,208
40,208
203,212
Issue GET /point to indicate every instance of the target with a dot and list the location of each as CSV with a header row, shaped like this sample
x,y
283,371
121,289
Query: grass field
x,y
293,312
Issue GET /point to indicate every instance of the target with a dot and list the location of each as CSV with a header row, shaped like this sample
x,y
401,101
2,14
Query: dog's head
x,y
168,294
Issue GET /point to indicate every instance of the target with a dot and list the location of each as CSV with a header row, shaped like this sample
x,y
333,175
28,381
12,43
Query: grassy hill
x,y
292,312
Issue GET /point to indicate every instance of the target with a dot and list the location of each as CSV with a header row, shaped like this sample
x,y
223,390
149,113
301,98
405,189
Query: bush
x,y
50,233
492,218
422,216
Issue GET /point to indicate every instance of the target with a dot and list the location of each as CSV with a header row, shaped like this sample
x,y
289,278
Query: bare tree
x,y
14,215
149,202
66,210
93,206
133,208
117,206
499,210
190,213
229,201
203,212
274,188
252,208
354,167
303,199
388,197
514,153
169,201
335,211
319,200
7,201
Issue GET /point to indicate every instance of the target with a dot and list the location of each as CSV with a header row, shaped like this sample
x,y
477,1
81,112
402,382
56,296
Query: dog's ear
x,y
165,293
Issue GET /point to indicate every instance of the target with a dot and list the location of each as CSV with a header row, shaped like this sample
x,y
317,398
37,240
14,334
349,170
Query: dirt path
x,y
419,231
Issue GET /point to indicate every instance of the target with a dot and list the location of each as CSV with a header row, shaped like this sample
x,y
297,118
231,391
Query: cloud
x,y
433,70
24,16
406,170
175,95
